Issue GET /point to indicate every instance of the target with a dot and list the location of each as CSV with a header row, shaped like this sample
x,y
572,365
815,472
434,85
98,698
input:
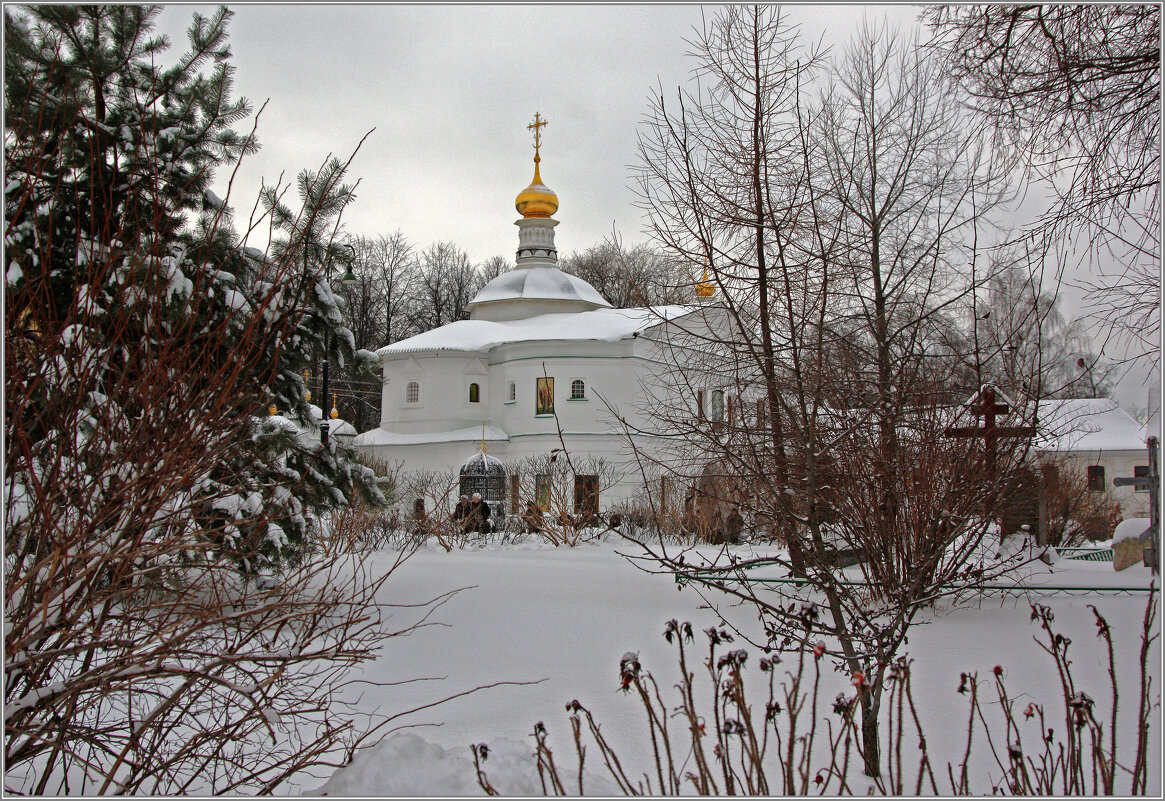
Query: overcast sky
x,y
450,89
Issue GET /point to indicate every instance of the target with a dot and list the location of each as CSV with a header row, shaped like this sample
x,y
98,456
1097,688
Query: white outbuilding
x,y
1098,438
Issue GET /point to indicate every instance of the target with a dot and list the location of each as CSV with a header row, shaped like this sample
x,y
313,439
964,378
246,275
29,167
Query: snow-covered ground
x,y
559,619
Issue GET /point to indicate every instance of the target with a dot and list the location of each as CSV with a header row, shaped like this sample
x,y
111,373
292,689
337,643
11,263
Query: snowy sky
x,y
450,89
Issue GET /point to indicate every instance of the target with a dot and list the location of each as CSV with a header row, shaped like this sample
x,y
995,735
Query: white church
x,y
544,366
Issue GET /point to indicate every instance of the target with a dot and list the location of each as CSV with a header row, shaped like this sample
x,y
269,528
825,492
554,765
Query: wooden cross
x,y
537,126
987,408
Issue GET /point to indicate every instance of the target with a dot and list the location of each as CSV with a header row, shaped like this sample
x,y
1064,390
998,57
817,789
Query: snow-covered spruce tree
x,y
141,472
109,158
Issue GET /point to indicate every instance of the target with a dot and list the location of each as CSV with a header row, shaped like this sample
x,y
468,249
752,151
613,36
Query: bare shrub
x,y
143,653
426,508
800,743
559,514
1077,514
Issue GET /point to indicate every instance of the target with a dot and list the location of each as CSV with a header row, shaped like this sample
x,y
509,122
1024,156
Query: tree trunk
x,y
871,748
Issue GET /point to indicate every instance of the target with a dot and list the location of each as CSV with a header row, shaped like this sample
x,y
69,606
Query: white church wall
x,y
443,393
604,369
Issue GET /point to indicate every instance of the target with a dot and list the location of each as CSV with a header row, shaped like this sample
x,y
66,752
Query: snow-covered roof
x,y
1088,424
599,325
378,436
538,283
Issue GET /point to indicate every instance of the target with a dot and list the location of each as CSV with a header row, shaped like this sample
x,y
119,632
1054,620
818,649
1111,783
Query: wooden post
x,y
1152,483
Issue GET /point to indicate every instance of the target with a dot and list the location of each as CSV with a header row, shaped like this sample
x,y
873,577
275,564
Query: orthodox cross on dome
x,y
483,450
536,126
536,200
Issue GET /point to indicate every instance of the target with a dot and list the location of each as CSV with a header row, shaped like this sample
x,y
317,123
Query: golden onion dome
x,y
537,199
705,289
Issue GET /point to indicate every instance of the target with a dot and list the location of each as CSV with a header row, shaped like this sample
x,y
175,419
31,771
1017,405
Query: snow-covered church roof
x,y
598,325
538,283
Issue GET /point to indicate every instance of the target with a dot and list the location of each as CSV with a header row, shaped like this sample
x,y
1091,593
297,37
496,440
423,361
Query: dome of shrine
x,y
537,199
482,464
542,283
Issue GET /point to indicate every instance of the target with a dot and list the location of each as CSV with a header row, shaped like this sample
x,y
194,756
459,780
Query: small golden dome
x,y
705,289
537,199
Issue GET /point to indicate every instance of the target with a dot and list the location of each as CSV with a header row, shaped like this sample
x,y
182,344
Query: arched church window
x,y
474,393
717,406
413,392
513,396
578,390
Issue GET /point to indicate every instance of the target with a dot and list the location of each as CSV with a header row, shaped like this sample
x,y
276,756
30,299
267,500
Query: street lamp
x,y
348,279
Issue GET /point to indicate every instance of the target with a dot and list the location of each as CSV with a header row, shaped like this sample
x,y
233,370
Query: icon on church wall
x,y
544,401
542,491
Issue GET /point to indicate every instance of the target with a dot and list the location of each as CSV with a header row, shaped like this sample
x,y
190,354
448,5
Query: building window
x,y
699,404
474,393
578,390
544,397
1141,471
413,392
717,406
512,393
1095,478
586,495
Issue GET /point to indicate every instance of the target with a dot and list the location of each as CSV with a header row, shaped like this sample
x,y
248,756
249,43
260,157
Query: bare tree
x,y
145,652
1020,337
448,281
1074,91
393,260
492,267
842,232
377,311
635,277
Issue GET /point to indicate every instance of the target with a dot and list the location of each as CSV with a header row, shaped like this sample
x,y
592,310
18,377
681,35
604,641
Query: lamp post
x,y
348,279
